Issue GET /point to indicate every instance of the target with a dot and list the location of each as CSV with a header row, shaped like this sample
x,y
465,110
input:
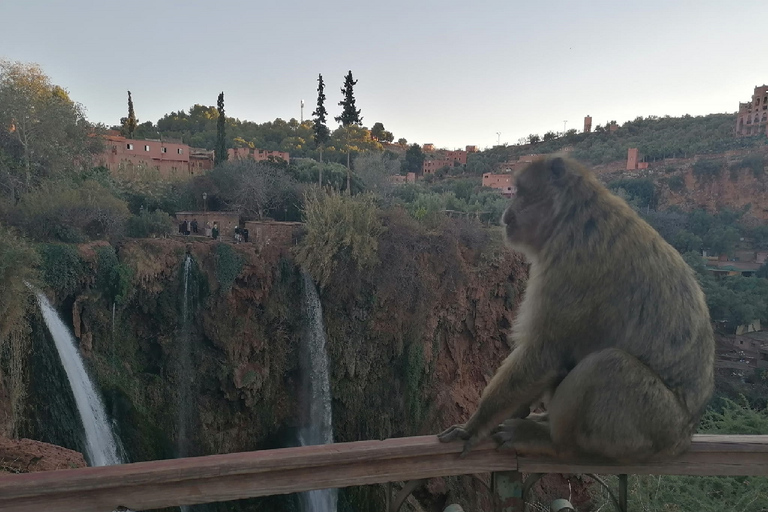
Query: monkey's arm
x,y
522,378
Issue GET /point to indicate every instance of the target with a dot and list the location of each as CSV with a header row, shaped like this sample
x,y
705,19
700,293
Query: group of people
x,y
241,234
187,227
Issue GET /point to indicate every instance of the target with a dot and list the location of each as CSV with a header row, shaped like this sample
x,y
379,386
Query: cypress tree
x,y
349,114
220,151
322,133
129,123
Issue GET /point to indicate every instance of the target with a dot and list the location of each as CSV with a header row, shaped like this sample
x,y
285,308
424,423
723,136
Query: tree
x,y
349,114
549,136
375,170
414,159
44,130
402,141
129,123
321,132
377,132
533,139
221,144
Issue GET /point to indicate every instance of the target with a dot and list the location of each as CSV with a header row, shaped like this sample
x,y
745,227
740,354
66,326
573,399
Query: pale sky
x,y
447,72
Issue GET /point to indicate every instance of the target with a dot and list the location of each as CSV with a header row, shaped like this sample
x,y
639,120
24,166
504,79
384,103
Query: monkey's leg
x,y
529,436
520,380
612,405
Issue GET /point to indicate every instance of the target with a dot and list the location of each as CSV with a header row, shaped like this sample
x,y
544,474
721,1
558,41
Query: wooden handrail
x,y
193,480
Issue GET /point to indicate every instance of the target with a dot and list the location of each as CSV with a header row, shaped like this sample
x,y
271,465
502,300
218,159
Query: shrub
x,y
149,224
17,267
676,183
707,170
113,278
340,228
639,190
62,268
64,213
228,266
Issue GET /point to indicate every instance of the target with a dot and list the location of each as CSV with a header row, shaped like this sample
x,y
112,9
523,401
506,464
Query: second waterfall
x,y
317,425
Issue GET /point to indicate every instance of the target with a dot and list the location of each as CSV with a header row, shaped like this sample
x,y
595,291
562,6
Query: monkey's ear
x,y
557,167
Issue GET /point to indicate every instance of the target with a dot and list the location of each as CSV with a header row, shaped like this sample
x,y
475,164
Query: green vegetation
x,y
707,170
70,212
113,278
62,268
707,493
229,264
149,224
638,191
17,267
657,138
341,231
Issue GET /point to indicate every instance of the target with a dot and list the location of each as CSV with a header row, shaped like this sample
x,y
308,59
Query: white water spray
x,y
184,368
318,428
100,444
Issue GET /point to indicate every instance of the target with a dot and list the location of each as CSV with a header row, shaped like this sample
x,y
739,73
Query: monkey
x,y
613,330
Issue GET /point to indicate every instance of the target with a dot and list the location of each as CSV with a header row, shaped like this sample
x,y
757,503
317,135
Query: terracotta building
x,y
503,182
632,160
260,155
588,124
172,159
753,115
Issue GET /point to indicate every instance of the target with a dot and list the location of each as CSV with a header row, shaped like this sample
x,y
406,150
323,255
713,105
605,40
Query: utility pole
x,y
302,111
498,138
564,123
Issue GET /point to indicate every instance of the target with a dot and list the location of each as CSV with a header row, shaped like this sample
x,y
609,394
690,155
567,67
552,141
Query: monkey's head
x,y
544,189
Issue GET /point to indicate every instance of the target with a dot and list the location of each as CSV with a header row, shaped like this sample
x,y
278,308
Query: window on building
x,y
146,147
163,150
179,150
129,146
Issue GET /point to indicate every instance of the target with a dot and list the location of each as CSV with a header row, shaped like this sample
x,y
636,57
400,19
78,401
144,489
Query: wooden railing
x,y
156,484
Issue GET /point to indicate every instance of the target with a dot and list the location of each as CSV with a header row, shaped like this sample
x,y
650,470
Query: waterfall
x,y
185,372
317,428
101,446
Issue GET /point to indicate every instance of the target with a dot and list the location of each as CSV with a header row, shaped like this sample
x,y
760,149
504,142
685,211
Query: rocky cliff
x,y
412,343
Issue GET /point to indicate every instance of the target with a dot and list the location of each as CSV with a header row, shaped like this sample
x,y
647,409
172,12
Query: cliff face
x,y
734,180
412,343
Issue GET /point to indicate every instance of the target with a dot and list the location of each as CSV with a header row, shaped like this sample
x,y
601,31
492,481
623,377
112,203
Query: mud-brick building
x,y
753,115
173,160
272,233
260,155
503,182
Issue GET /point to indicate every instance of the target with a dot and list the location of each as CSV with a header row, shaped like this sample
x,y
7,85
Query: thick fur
x,y
613,326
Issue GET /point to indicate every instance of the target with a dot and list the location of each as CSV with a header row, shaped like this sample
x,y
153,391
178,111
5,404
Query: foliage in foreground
x,y
655,493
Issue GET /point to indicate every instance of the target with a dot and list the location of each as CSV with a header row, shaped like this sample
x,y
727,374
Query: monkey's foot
x,y
525,436
459,432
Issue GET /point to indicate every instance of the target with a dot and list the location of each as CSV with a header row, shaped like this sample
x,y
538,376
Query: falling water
x,y
185,368
100,444
318,428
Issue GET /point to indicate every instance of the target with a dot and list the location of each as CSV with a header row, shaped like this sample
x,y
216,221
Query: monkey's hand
x,y
459,432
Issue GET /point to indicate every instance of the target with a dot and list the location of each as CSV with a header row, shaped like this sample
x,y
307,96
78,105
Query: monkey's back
x,y
615,282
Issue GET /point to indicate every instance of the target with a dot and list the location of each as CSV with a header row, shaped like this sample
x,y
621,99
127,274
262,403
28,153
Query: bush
x,y
229,264
63,213
146,224
62,268
641,191
707,170
112,278
17,267
708,493
340,228
676,183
